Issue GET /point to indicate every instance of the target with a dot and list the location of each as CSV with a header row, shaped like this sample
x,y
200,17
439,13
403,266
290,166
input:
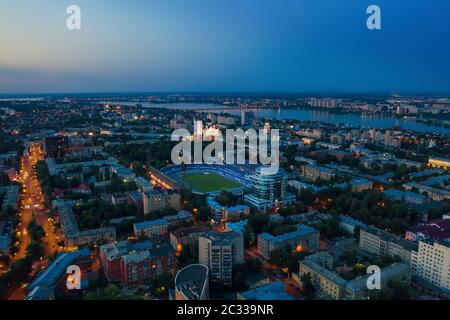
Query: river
x,y
349,119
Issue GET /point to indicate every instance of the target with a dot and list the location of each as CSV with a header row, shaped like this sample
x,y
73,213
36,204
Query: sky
x,y
320,46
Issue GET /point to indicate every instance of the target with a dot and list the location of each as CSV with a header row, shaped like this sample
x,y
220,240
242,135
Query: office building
x,y
268,189
329,284
381,243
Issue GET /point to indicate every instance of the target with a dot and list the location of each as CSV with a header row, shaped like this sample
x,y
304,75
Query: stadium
x,y
210,178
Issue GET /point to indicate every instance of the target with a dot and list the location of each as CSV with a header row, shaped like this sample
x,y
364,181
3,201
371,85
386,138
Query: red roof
x,y
84,187
437,229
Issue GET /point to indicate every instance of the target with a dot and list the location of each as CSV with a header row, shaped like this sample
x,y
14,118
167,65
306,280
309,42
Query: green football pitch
x,y
208,182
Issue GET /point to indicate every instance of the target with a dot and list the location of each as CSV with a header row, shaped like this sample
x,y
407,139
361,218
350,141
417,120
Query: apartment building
x,y
151,228
133,263
317,173
160,199
432,262
221,252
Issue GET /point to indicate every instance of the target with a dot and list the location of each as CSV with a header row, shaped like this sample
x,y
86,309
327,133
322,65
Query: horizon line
x,y
228,93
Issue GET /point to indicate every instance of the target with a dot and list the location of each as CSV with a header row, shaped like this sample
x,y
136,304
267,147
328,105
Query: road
x,y
272,271
32,205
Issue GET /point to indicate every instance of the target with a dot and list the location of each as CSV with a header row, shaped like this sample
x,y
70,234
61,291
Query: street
x,y
32,205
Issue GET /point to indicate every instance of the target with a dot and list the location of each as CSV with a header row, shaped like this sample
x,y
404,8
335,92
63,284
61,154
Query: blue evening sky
x,y
225,46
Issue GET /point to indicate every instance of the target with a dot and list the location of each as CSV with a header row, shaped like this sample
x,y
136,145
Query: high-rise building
x,y
192,283
55,146
266,128
322,103
160,199
221,251
269,189
226,120
269,185
198,129
432,262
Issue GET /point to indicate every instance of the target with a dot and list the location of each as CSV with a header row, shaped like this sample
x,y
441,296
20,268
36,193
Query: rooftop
x,y
436,229
301,231
150,223
272,291
389,237
192,280
57,268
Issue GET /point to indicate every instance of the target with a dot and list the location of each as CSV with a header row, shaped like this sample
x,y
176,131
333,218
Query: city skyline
x,y
294,46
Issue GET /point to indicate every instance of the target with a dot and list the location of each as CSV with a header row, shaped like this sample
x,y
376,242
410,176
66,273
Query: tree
x,y
307,197
357,231
204,213
308,288
35,250
253,265
257,223
36,231
162,283
4,179
111,292
394,290
240,274
248,233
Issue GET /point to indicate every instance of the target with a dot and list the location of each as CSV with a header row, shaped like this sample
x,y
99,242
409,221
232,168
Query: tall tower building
x,y
221,251
198,129
268,185
432,262
55,146
242,117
